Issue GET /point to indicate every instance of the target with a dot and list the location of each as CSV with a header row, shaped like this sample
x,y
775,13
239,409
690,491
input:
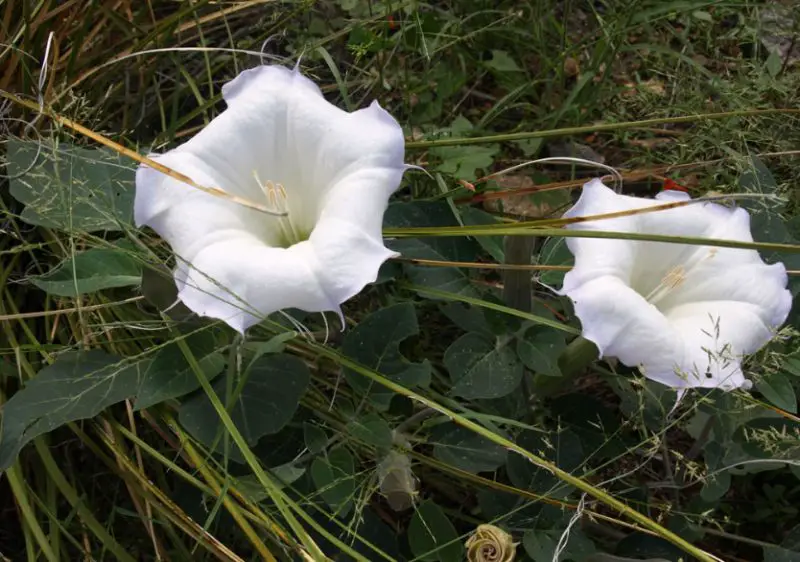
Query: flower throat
x,y
277,198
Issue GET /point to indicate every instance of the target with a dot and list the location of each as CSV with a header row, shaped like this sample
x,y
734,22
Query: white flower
x,y
280,145
684,314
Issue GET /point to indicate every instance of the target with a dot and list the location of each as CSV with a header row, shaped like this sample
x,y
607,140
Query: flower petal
x,y
347,258
240,280
730,274
685,314
190,219
338,170
595,257
279,128
621,323
715,335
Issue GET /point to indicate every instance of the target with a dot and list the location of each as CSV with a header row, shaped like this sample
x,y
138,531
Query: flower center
x,y
278,200
674,278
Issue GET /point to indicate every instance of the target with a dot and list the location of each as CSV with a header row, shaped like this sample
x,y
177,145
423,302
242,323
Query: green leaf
x,y
702,16
442,248
90,271
77,386
502,62
603,557
463,162
779,554
169,374
468,317
541,544
770,439
640,545
265,402
465,449
285,475
715,486
71,188
482,368
540,349
563,448
778,389
460,161
432,536
555,252
375,344
774,63
792,366
314,437
766,223
492,244
372,430
334,478
159,290
275,344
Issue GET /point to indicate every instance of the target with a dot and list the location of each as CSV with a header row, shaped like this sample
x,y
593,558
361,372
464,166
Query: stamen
x,y
673,279
276,195
278,199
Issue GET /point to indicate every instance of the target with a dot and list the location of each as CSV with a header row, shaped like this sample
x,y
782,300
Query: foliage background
x,y
111,445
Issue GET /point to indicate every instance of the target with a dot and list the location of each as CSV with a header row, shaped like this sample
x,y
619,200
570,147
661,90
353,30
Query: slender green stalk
x,y
595,128
498,307
578,483
505,230
270,487
72,497
229,504
17,485
128,471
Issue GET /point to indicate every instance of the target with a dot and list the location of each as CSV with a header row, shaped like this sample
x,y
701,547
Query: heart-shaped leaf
x,y
261,404
375,344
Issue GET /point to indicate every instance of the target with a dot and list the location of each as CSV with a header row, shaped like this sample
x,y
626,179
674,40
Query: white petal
x,y
190,219
715,336
240,281
621,323
595,257
347,258
685,314
279,126
731,274
338,170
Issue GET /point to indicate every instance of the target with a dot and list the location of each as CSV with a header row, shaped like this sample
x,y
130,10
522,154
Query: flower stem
x,y
578,355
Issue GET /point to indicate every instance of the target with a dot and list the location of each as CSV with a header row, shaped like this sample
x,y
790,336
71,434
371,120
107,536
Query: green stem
x,y
29,517
506,230
270,487
595,128
71,495
578,483
498,307
276,494
578,355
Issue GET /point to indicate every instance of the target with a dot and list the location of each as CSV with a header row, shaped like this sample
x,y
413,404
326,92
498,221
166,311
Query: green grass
x,y
478,87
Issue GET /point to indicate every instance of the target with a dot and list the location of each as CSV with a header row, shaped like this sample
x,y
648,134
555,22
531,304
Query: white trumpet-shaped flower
x,y
325,174
684,314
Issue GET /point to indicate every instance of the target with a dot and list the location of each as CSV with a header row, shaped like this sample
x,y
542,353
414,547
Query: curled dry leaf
x,y
490,544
